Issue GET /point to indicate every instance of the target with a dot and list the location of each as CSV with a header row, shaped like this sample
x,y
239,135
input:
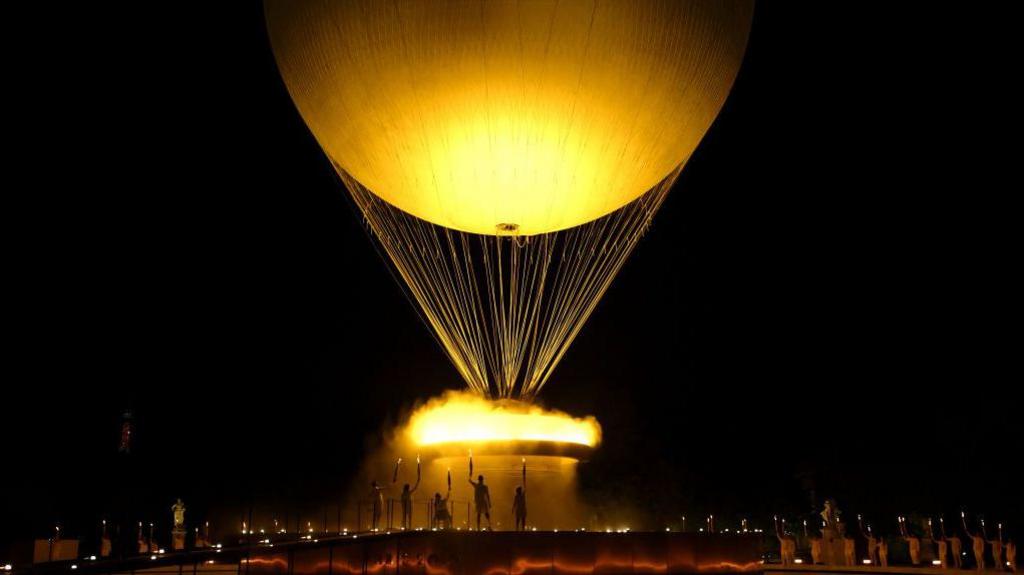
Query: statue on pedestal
x,y
830,515
178,532
178,509
833,544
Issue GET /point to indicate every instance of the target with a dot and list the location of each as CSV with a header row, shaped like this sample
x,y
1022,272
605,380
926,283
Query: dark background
x,y
825,306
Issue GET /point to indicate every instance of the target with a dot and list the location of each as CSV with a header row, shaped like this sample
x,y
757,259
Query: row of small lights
x,y
309,538
344,532
936,562
159,552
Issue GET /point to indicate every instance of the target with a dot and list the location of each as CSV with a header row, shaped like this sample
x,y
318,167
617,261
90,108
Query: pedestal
x,y
832,546
178,539
105,546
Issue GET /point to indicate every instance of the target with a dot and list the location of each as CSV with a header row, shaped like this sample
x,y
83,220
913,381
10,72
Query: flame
x,y
465,418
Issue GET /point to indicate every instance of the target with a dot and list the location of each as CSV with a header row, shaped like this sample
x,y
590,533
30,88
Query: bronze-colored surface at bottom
x,y
509,553
449,553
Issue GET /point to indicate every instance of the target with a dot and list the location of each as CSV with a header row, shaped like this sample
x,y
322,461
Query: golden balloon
x,y
508,155
506,116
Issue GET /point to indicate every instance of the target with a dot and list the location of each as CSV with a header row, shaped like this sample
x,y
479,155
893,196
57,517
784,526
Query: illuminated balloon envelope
x,y
508,155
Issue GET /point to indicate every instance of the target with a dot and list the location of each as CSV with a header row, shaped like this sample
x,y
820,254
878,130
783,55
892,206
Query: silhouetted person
x,y
481,500
913,543
997,551
977,545
377,501
815,541
787,545
849,549
941,546
955,546
519,509
872,544
914,546
442,518
407,504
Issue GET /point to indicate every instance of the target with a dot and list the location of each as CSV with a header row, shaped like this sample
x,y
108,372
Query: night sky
x,y
824,307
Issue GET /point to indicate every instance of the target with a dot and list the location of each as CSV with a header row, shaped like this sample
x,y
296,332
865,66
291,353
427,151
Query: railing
x,y
422,517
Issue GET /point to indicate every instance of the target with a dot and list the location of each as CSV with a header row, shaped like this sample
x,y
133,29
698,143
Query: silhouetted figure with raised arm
x,y
872,546
997,547
377,504
519,509
142,544
787,545
977,544
955,545
940,544
815,542
849,546
883,552
913,542
407,504
481,500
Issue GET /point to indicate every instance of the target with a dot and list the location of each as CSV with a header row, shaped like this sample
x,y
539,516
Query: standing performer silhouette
x,y
913,542
377,501
941,545
955,545
407,505
482,500
519,509
442,518
407,498
977,544
787,545
997,546
872,546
